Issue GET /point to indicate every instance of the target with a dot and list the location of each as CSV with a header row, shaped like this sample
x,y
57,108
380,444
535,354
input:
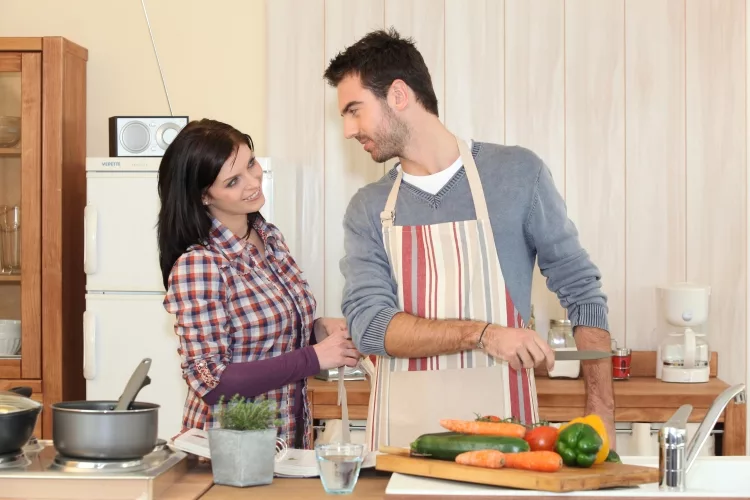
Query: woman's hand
x,y
334,348
336,351
325,327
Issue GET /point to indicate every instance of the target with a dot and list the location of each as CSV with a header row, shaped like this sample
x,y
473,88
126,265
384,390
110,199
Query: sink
x,y
710,477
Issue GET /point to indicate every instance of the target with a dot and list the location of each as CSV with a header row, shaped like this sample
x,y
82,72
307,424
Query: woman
x,y
244,314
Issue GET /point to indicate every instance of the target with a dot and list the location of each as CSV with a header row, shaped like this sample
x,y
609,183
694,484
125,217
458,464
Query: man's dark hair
x,y
381,57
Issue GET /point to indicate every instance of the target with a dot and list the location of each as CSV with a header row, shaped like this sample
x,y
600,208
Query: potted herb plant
x,y
243,447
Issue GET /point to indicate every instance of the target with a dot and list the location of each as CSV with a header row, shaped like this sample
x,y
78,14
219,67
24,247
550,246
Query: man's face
x,y
370,120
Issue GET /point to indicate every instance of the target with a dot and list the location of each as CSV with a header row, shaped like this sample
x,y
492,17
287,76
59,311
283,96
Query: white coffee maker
x,y
683,354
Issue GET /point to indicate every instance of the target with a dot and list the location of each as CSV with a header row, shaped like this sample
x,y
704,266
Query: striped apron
x,y
446,271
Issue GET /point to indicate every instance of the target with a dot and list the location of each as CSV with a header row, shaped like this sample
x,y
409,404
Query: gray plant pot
x,y
242,458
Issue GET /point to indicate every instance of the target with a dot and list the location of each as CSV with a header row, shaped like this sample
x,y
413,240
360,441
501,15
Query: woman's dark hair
x,y
189,167
379,58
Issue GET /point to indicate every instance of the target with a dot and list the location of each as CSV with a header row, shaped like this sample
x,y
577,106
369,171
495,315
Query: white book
x,y
193,441
297,463
290,462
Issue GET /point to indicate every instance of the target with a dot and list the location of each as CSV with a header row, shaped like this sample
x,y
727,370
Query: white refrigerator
x,y
125,320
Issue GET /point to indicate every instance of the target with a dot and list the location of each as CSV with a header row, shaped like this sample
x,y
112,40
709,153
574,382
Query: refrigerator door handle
x,y
90,224
89,345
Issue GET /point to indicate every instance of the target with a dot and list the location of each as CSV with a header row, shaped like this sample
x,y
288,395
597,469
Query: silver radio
x,y
143,135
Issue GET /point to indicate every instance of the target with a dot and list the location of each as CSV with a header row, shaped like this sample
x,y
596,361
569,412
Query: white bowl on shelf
x,y
10,337
10,131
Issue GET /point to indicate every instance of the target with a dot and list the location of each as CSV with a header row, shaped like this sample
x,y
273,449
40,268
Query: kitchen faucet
x,y
676,456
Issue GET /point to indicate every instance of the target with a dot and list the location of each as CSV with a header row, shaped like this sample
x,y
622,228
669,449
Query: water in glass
x,y
339,466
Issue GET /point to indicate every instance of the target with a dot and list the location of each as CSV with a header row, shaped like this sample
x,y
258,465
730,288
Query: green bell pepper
x,y
578,445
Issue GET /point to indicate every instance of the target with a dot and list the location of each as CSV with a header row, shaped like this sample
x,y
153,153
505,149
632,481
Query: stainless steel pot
x,y
18,416
94,430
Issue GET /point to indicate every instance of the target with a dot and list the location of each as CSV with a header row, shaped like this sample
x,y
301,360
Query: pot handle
x,y
22,391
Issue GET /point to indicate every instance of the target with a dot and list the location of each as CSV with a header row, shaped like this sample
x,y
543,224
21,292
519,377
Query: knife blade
x,y
581,355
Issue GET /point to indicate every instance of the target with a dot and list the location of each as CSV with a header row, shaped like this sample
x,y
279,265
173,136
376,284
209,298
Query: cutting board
x,y
606,475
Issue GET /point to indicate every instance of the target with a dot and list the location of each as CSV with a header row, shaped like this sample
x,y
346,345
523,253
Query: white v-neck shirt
x,y
433,183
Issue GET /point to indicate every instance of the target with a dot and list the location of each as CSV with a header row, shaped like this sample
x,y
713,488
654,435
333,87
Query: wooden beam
x,y
20,44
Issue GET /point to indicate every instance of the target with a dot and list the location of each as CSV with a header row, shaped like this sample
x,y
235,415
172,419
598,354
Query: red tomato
x,y
541,438
489,418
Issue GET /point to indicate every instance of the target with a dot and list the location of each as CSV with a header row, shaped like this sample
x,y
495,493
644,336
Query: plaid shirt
x,y
233,306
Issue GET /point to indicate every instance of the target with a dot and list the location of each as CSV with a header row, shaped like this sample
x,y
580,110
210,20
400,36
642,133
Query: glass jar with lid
x,y
560,334
560,338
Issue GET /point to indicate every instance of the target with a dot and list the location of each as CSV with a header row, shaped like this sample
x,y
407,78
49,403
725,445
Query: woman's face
x,y
237,190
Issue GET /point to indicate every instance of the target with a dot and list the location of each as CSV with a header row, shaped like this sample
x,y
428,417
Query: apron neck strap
x,y
472,175
388,216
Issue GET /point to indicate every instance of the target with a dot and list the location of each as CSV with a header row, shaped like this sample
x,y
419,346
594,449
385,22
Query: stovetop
x,y
40,459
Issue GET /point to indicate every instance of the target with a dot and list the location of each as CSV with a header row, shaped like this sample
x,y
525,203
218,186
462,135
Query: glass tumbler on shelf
x,y
10,238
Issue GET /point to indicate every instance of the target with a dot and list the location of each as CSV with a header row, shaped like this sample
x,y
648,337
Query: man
x,y
439,256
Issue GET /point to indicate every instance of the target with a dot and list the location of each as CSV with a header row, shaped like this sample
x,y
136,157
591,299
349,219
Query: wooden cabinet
x,y
42,197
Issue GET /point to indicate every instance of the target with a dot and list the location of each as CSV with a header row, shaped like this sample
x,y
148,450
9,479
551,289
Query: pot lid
x,y
559,322
11,402
621,351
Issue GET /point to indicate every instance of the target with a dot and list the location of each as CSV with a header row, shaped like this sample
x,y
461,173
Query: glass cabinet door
x,y
20,215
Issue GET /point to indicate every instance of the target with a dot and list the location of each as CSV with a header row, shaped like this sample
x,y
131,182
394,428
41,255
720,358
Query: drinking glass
x,y
339,465
10,227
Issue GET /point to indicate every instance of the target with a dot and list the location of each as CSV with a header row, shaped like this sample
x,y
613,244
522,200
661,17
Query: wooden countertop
x,y
370,486
643,398
197,483
559,399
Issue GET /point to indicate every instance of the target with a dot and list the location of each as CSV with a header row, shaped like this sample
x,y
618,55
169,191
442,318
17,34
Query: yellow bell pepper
x,y
596,422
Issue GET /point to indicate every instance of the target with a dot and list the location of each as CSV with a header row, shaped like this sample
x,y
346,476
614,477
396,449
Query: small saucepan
x,y
18,416
93,430
108,430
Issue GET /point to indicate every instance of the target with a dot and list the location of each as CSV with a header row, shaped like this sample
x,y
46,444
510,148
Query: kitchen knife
x,y
581,355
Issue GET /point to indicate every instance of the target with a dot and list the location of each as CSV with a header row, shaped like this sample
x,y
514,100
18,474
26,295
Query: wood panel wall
x,y
637,106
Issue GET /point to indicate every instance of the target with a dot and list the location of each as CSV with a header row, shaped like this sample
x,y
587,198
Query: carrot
x,y
489,459
540,461
484,428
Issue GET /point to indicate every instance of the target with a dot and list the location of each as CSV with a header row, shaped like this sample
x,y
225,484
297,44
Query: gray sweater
x,y
529,221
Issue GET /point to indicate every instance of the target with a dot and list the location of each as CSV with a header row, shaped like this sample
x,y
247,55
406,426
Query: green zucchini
x,y
448,445
613,457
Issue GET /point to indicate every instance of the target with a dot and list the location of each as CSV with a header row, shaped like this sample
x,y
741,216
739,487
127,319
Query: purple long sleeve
x,y
253,378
